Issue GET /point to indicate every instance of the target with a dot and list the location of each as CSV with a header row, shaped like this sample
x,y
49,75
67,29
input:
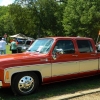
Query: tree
x,y
20,18
6,24
37,17
81,17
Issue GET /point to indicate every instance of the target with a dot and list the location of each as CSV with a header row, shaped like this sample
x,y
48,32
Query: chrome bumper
x,y
0,83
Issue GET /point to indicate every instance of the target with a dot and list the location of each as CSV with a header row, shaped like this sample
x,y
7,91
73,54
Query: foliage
x,y
41,18
6,24
38,18
81,17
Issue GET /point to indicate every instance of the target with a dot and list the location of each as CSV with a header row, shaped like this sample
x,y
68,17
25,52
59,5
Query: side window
x,y
66,46
84,46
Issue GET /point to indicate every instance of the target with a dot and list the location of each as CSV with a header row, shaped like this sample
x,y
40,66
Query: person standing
x,y
2,46
14,46
5,38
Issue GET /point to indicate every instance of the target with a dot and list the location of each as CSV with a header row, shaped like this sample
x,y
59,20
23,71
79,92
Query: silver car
x,y
27,44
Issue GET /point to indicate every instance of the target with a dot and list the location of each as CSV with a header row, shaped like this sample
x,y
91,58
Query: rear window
x,y
84,46
28,42
21,42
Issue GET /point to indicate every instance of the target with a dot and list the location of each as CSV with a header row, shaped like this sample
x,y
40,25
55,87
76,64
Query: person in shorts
x,y
13,46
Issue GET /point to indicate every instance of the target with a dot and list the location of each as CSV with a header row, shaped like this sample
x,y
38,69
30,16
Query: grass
x,y
54,89
8,49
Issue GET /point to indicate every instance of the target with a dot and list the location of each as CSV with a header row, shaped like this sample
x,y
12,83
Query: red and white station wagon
x,y
49,60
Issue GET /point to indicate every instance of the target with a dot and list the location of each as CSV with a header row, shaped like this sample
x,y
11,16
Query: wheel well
x,y
36,72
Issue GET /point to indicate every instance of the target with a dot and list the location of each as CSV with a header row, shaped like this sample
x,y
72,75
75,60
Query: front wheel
x,y
25,83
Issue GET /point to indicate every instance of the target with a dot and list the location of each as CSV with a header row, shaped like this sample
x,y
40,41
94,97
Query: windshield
x,y
41,45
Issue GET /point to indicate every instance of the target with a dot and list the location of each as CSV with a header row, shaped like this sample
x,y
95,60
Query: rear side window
x,y
84,46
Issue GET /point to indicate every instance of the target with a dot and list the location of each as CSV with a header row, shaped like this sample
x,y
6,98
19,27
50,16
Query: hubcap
x,y
26,84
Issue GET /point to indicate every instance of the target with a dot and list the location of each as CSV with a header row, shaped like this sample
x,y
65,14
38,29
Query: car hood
x,y
21,59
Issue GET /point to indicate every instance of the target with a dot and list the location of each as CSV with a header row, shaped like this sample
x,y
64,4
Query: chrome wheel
x,y
26,84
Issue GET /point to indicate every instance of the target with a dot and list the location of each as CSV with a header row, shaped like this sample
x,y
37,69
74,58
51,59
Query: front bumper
x,y
0,83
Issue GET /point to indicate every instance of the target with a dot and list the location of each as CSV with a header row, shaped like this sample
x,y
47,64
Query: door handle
x,y
93,54
74,55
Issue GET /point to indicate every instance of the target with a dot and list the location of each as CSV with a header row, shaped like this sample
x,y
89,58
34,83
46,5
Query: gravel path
x,y
93,96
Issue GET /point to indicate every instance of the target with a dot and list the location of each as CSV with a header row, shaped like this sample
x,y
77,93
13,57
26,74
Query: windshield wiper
x,y
34,51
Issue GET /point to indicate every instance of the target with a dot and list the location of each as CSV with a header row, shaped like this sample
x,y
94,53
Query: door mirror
x,y
57,53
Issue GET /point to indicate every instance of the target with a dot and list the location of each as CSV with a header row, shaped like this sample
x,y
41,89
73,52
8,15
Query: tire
x,y
24,83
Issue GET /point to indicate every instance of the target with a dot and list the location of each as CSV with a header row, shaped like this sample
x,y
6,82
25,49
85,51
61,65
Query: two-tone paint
x,y
66,66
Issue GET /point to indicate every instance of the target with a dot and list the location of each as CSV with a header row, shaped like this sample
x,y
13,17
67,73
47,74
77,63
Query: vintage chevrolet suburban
x,y
48,60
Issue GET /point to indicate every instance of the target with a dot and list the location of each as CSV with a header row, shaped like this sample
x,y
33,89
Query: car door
x,y
65,65
88,58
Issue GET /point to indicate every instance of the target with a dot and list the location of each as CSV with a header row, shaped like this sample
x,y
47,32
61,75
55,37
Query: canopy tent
x,y
21,36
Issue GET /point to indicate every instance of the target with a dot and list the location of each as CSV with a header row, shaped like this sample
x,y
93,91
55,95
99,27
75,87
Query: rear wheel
x,y
25,83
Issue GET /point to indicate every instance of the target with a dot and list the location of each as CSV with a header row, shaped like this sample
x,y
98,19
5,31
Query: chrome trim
x,y
0,83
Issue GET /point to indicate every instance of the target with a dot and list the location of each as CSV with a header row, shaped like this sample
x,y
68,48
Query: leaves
x,y
41,18
80,18
6,24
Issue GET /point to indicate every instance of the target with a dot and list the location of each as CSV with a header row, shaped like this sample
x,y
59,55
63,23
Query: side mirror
x,y
57,53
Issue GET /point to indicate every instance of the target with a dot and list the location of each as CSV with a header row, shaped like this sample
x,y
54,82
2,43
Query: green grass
x,y
55,89
8,49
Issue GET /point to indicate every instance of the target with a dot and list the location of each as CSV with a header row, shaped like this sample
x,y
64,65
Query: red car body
x,y
80,59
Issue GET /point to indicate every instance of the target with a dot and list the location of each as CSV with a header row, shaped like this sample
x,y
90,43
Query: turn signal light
x,y
7,75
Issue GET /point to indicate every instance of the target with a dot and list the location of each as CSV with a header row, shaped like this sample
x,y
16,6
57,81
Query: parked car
x,y
26,45
49,60
20,43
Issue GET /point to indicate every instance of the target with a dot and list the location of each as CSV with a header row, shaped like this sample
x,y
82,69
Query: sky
x,y
6,2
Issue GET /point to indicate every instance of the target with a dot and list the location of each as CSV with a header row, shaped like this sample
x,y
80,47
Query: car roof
x,y
67,38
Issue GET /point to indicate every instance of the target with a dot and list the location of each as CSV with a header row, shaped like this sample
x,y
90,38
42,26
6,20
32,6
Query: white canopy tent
x,y
21,36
